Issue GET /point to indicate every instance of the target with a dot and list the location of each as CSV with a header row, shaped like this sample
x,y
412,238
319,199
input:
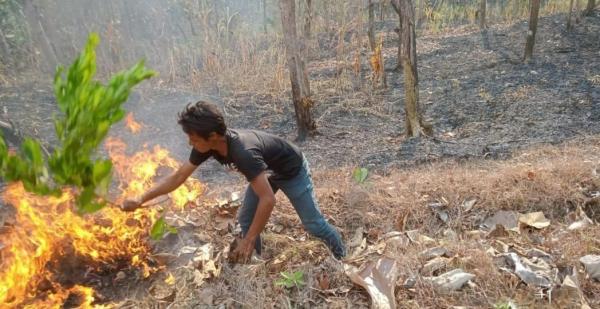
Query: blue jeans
x,y
300,192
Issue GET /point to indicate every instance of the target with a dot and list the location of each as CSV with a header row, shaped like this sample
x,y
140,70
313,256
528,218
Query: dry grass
x,y
552,179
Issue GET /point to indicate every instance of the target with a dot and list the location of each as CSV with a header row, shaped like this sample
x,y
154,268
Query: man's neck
x,y
221,146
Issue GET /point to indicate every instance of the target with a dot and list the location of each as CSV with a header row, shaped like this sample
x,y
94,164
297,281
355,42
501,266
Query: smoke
x,y
172,35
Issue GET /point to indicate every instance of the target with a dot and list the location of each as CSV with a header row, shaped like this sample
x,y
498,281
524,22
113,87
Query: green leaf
x,y
101,171
160,228
360,174
88,110
86,201
290,280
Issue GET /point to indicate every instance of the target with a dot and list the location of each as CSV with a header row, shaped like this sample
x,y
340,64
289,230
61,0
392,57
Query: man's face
x,y
199,143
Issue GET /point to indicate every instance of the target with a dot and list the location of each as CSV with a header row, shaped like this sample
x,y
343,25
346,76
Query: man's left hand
x,y
243,252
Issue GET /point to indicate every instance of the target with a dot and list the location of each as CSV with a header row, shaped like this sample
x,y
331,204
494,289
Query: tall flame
x,y
45,227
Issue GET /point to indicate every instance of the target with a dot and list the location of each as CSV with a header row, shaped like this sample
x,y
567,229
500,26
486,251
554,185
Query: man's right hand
x,y
131,204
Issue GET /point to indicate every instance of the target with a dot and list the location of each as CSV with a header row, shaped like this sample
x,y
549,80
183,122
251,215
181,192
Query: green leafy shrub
x,y
88,109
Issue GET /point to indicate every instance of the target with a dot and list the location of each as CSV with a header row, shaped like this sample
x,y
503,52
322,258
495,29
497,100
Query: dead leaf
x,y
539,278
207,296
439,208
357,238
164,258
232,246
508,219
203,253
187,250
498,232
434,265
120,276
451,281
570,290
592,265
434,252
278,228
199,277
323,281
222,223
374,233
163,292
360,249
416,237
583,222
468,204
410,282
535,219
378,278
450,234
203,237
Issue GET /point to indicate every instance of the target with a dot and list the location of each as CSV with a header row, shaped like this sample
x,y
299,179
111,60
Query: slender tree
x,y
298,74
569,16
533,21
415,125
482,13
399,31
308,19
264,17
591,4
370,25
577,12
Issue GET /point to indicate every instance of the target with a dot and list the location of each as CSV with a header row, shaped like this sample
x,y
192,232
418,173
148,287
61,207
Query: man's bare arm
x,y
165,186
266,202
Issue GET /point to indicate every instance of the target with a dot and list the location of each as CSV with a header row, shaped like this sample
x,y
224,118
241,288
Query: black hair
x,y
202,118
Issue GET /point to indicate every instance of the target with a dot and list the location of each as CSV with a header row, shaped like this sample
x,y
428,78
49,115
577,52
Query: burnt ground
x,y
483,103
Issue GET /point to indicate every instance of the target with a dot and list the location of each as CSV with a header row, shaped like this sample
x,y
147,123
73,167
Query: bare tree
x,y
590,7
370,24
533,21
569,16
264,17
308,19
415,125
5,47
298,74
420,13
482,9
399,31
577,12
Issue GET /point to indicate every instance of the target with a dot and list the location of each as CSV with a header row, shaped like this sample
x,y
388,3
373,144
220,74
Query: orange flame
x,y
132,125
45,227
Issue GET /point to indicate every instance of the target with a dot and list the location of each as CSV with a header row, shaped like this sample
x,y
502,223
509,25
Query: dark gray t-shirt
x,y
252,152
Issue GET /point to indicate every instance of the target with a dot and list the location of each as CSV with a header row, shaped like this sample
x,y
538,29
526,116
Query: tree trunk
x,y
399,31
577,12
308,19
264,13
5,50
570,15
298,74
482,9
415,125
420,13
370,25
590,7
533,21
